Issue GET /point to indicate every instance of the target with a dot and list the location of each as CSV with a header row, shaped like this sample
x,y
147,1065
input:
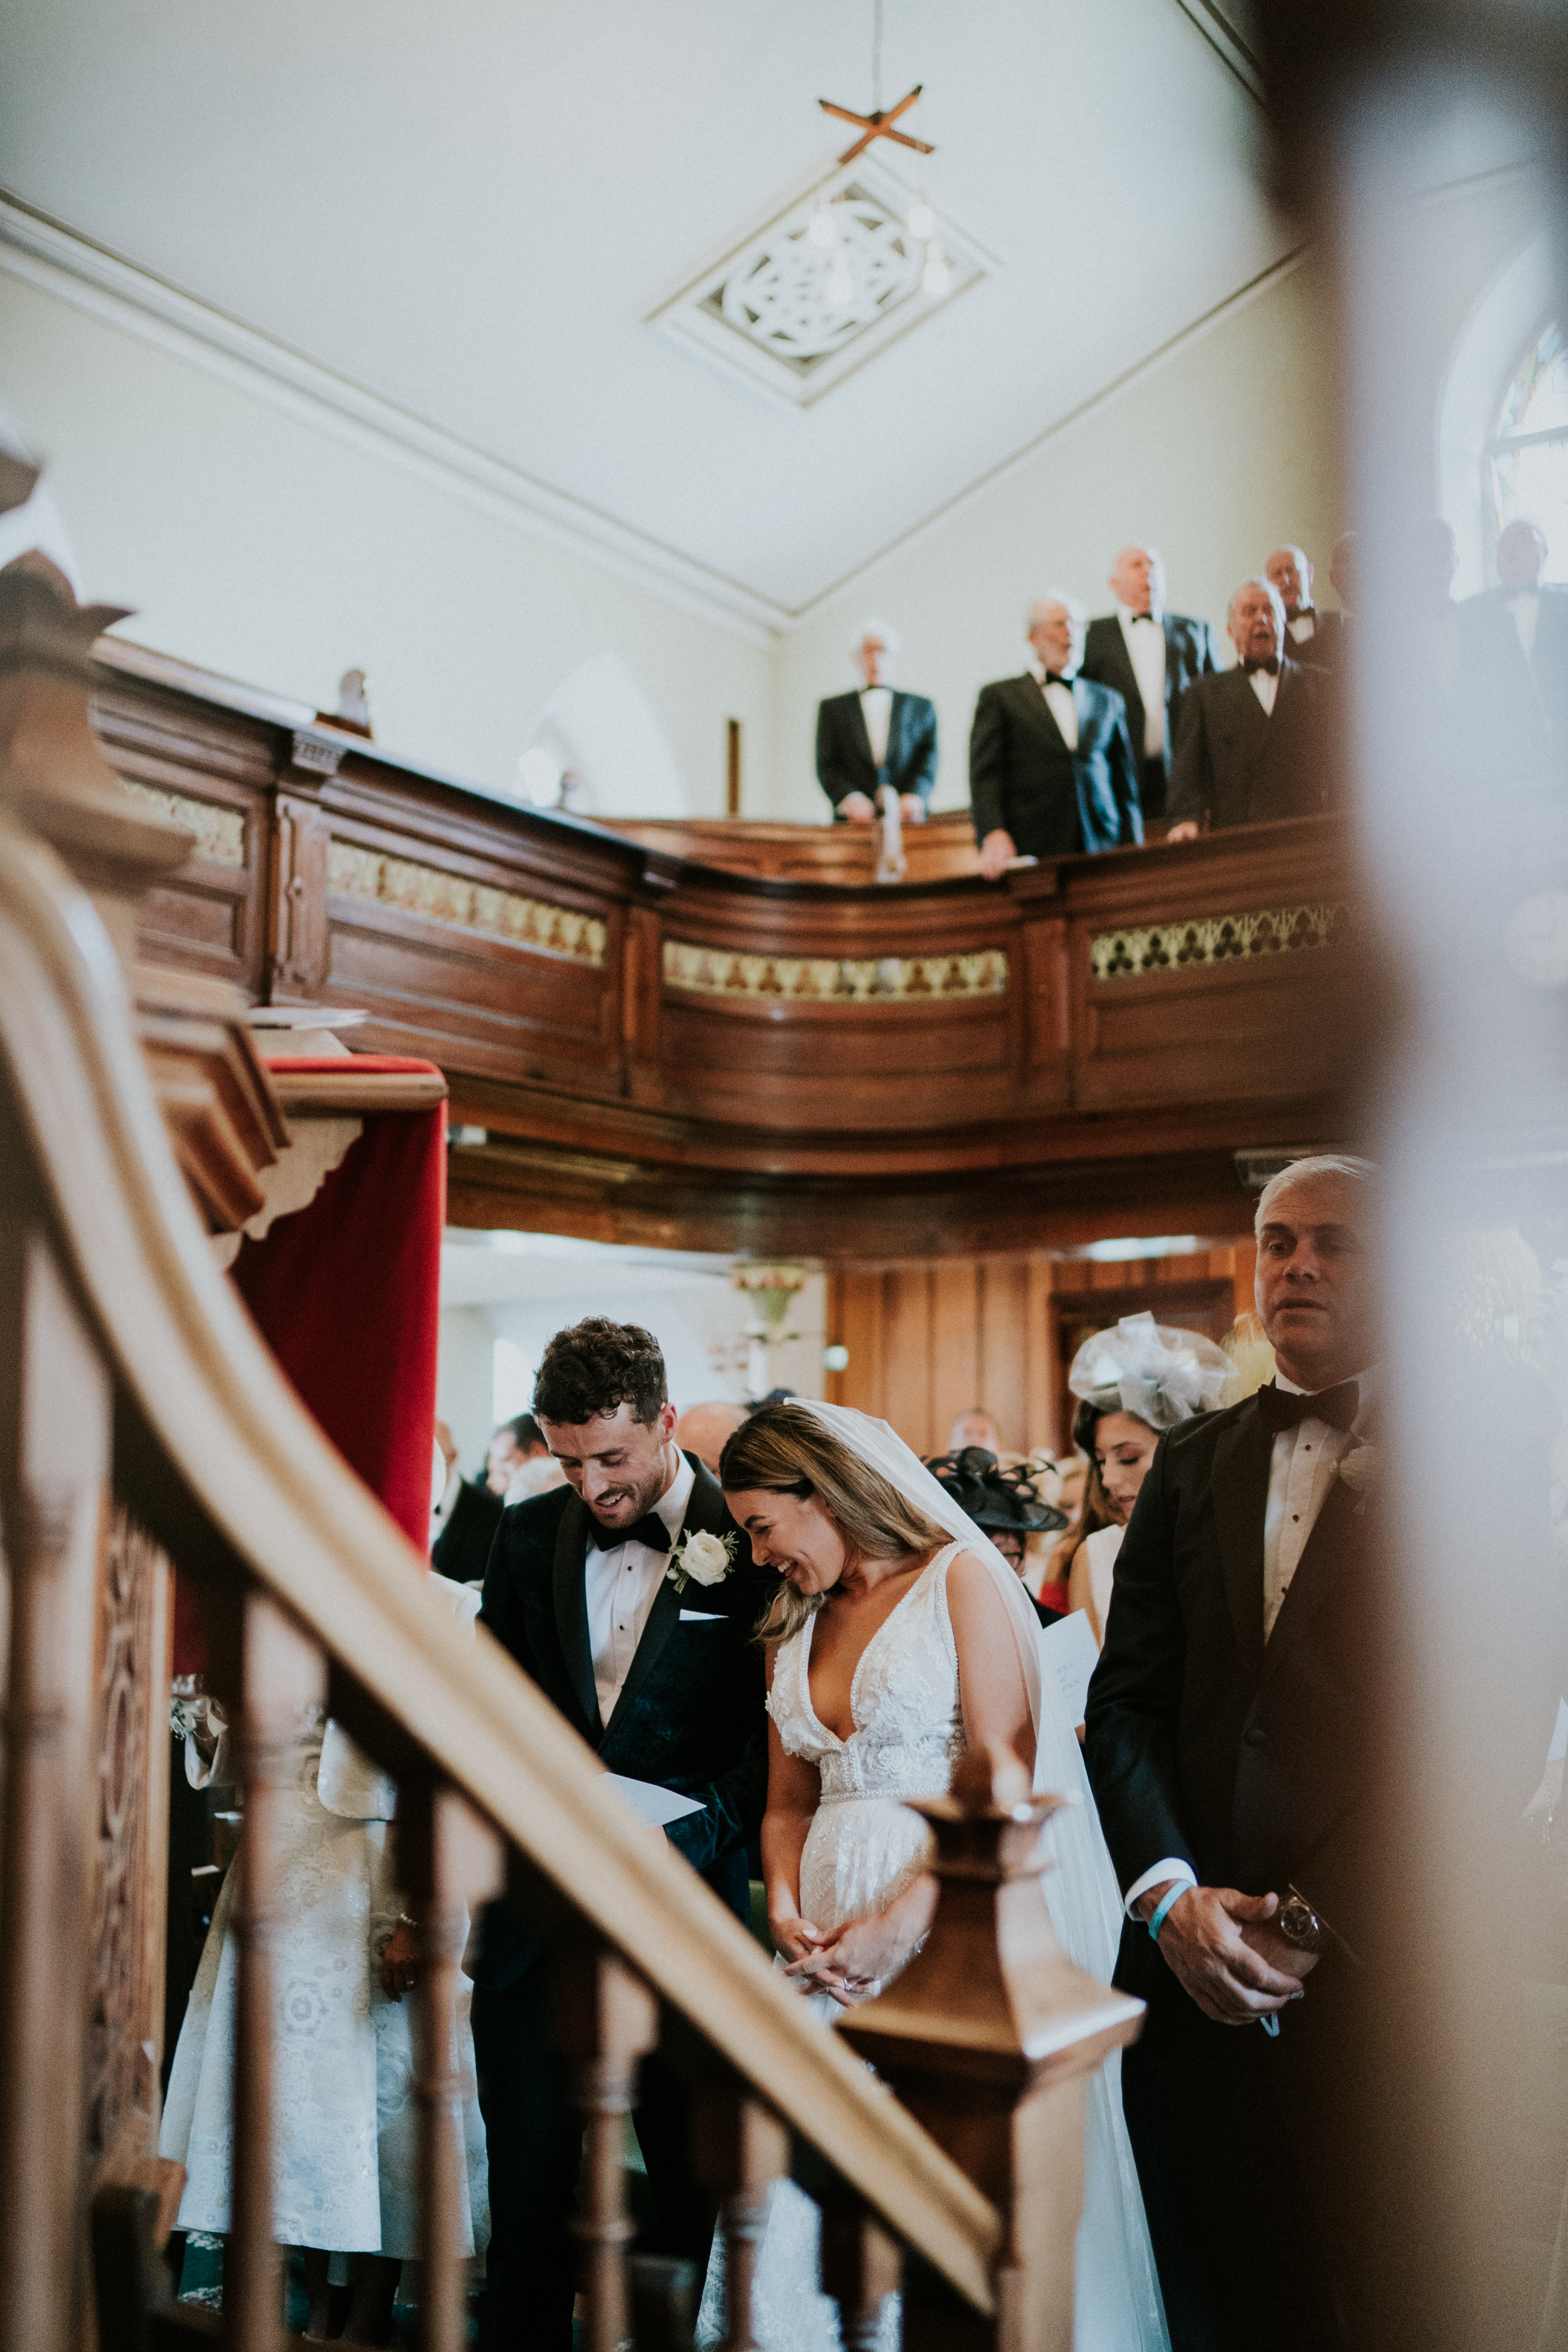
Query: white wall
x,y
1215,456
253,543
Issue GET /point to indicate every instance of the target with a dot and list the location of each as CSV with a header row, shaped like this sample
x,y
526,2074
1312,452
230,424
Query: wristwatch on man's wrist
x,y
1299,1923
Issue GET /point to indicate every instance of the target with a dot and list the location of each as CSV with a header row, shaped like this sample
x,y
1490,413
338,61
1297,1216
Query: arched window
x,y
1526,472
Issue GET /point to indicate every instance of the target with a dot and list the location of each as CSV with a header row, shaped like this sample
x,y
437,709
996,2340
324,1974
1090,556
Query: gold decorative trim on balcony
x,y
416,889
834,980
1180,945
220,832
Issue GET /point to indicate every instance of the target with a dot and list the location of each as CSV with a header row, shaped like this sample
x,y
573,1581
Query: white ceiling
x,y
470,212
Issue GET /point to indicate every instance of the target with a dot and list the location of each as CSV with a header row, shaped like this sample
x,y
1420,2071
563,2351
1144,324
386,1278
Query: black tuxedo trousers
x,y
690,1716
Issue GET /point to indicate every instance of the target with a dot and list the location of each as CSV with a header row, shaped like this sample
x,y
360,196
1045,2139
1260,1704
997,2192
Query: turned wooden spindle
x,y
282,1675
861,2269
741,2148
447,1860
53,1467
606,2021
989,2036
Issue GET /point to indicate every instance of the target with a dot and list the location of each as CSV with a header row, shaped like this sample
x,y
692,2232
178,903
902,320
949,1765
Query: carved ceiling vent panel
x,y
831,281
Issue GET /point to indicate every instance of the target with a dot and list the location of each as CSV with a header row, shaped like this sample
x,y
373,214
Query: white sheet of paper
x,y
657,1805
1072,1653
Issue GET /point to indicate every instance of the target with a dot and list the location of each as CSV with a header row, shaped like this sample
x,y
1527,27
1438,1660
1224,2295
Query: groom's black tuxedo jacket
x,y
691,1713
843,761
1250,1761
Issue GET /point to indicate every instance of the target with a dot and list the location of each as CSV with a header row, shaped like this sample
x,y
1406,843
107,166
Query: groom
x,y
1228,1739
668,1687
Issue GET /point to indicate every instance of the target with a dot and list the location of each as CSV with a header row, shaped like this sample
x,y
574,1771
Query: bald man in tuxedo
x,y
1149,658
1257,741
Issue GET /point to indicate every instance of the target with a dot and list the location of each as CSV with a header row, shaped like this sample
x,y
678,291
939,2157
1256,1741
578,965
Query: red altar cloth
x,y
346,1292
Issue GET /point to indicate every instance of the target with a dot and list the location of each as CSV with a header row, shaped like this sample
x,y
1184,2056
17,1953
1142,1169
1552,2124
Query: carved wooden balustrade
x,y
141,1416
643,1046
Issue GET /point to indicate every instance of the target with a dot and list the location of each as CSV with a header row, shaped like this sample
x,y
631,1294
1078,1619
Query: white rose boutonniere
x,y
1361,1470
700,1558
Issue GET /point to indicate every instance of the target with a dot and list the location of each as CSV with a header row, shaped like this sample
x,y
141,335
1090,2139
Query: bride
x,y
901,1638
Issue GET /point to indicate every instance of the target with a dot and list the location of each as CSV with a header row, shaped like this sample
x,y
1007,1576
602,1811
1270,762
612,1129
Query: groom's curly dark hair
x,y
597,1366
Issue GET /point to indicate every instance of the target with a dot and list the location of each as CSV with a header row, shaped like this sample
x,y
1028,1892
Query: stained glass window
x,y
1527,460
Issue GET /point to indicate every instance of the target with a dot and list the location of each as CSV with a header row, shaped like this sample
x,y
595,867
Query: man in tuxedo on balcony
x,y
666,1686
1149,658
1257,741
876,737
1309,636
1514,656
1051,770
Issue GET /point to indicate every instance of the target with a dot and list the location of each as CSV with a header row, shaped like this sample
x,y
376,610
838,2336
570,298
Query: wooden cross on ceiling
x,y
878,126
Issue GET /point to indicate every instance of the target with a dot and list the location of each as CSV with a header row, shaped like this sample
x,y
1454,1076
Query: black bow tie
x,y
1271,666
1143,616
1055,677
649,1529
1277,1409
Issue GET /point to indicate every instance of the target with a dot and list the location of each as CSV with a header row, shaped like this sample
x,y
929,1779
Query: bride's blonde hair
x,y
784,1449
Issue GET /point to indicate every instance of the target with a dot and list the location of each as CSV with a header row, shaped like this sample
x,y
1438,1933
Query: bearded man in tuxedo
x,y
666,1686
1229,1738
1257,741
1051,770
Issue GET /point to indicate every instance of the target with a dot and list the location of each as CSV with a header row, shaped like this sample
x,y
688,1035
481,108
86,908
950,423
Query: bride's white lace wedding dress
x,y
863,1849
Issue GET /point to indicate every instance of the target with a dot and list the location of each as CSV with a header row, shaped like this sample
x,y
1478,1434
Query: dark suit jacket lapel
x,y
858,734
1125,682
1032,698
571,1597
705,1511
896,717
1239,1483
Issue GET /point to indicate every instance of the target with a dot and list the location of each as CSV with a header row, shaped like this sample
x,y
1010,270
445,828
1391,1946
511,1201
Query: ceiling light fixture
x,y
936,277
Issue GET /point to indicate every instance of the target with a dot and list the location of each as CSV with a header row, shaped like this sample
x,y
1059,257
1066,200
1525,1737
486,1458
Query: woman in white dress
x,y
1133,1382
901,1637
344,2177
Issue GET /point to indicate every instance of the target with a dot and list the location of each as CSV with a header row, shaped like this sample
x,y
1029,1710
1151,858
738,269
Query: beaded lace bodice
x,y
909,1727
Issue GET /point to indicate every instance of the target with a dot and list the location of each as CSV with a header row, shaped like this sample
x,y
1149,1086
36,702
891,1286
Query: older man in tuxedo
x,y
1149,658
1229,1734
1256,740
1513,657
666,1685
1051,770
876,737
1309,636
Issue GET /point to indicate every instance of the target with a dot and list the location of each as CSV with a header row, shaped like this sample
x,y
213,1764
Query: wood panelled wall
x,y
928,1339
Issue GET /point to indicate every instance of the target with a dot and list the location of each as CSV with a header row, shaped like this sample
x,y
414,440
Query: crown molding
x,y
44,253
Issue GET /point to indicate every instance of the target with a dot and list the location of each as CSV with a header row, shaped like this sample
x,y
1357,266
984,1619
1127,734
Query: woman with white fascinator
x,y
900,1638
1133,1382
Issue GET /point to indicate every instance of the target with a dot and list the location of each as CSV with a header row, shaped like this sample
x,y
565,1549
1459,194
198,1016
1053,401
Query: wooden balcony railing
x,y
132,1377
662,1046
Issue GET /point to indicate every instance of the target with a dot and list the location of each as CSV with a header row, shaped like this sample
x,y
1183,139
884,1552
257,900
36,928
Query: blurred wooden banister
x,y
219,1459
118,1319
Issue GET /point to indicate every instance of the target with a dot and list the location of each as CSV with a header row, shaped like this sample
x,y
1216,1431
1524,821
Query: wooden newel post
x,y
988,2037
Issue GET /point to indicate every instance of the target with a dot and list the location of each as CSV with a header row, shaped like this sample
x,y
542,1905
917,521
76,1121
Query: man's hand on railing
x,y
912,807
400,1961
1185,831
859,808
996,853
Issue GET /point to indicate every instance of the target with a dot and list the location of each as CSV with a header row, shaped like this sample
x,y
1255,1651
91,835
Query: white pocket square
x,y
701,1617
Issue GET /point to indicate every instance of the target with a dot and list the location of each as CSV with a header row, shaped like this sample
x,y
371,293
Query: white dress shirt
x,y
877,710
1301,1471
621,1585
1061,702
1145,641
1524,603
1304,627
1265,687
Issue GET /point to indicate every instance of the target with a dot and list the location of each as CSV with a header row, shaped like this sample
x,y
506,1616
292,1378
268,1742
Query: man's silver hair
x,y
1076,609
1259,579
1305,1172
883,631
1298,555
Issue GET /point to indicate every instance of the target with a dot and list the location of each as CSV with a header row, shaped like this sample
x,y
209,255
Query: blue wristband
x,y
1173,1894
